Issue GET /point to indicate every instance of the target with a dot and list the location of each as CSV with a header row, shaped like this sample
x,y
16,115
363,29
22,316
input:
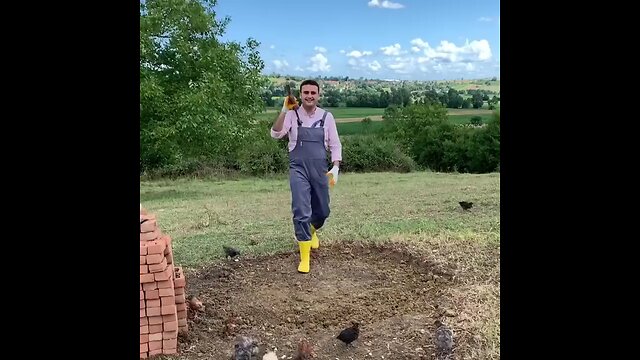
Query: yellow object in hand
x,y
333,176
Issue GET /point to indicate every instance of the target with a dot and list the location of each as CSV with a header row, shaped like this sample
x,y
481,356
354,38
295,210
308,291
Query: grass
x,y
201,215
417,209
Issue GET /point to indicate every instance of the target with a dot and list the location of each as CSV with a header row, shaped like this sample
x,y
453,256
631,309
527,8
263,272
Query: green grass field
x,y
201,215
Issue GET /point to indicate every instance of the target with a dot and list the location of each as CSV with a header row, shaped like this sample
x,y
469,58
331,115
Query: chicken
x,y
270,356
305,351
350,334
246,348
230,252
466,205
444,340
195,304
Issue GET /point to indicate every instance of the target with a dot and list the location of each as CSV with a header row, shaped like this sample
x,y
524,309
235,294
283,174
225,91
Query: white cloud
x,y
357,54
391,50
375,65
272,47
477,50
320,49
342,51
485,19
280,64
385,4
319,62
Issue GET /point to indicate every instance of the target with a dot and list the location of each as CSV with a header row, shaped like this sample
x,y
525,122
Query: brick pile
x,y
163,311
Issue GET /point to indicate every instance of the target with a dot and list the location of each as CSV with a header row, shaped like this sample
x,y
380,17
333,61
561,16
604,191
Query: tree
x,y
197,94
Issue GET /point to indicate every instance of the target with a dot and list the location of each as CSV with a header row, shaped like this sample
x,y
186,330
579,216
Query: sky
x,y
375,39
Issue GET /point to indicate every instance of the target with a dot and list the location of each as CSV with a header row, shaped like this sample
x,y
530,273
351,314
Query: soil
x,y
395,296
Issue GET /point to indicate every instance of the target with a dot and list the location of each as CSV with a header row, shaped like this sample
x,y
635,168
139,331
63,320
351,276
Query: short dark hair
x,y
309,82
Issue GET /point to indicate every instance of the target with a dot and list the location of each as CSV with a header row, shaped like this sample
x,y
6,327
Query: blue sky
x,y
403,39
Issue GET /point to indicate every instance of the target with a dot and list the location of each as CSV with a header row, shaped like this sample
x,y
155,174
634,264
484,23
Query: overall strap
x,y
298,116
321,121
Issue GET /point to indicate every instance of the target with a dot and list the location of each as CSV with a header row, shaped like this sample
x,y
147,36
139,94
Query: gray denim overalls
x,y
307,177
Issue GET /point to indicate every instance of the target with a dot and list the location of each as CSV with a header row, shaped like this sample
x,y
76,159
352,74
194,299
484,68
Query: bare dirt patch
x,y
395,296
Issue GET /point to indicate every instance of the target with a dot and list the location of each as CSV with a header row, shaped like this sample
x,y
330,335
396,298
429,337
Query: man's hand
x,y
290,103
333,175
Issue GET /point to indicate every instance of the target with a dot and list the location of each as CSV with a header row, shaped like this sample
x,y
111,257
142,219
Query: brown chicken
x,y
305,351
195,304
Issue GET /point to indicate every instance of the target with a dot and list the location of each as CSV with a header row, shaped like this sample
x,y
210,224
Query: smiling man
x,y
312,132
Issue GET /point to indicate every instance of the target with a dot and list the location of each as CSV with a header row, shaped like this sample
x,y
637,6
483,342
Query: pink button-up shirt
x,y
331,139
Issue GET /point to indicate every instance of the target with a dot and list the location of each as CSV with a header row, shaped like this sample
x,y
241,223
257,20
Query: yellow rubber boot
x,y
315,242
305,250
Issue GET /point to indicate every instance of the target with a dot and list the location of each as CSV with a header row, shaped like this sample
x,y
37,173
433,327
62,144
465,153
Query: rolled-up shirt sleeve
x,y
285,127
335,146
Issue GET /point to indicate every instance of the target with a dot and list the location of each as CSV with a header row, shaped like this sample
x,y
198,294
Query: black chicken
x,y
443,340
349,334
230,252
466,205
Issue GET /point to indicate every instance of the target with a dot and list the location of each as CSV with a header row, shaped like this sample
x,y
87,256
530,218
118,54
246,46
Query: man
x,y
312,132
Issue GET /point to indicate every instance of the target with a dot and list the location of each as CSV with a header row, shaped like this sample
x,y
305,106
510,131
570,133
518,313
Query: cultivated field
x,y
396,254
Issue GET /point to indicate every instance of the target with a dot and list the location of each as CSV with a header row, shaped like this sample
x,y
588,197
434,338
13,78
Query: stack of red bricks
x,y
162,300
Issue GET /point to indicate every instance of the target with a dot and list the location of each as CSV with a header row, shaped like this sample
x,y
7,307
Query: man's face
x,y
310,95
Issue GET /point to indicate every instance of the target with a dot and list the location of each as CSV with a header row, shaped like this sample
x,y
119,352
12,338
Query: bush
x,y
370,153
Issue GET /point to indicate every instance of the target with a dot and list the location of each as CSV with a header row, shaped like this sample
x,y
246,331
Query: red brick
x,y
144,347
144,338
152,294
143,259
171,326
153,303
166,292
141,294
180,307
170,343
167,284
144,269
148,226
155,337
158,267
144,329
144,355
168,300
163,275
150,286
169,257
146,278
157,246
155,320
169,351
154,259
143,249
169,318
182,322
183,329
180,298
153,311
172,269
143,313
179,277
182,314
179,291
169,335
155,328
155,345
148,236
142,304
144,321
147,217
156,351
169,309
